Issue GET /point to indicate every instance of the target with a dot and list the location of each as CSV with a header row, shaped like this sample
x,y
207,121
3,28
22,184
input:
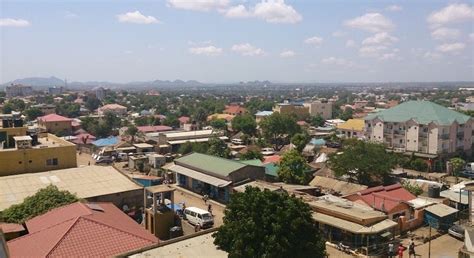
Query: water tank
x,y
433,191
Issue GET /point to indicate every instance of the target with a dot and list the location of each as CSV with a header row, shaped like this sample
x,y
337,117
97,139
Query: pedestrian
x,y
89,163
401,249
209,208
205,198
411,249
390,250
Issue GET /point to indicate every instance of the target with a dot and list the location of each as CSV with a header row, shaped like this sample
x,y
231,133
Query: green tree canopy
x,y
92,103
300,140
365,162
269,224
293,168
278,129
317,121
43,201
132,131
219,124
218,147
412,188
245,123
252,154
457,164
33,113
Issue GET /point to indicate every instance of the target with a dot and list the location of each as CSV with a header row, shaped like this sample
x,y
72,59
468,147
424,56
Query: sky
x,y
221,41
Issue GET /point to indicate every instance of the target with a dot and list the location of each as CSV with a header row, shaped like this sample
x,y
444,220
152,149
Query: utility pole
x,y
429,244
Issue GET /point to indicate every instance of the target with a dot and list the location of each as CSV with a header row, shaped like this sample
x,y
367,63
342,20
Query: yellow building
x,y
297,109
54,123
353,128
29,155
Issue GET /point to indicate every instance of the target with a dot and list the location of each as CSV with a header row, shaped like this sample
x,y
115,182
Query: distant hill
x,y
38,81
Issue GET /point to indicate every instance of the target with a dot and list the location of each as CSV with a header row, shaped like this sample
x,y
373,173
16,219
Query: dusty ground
x,y
444,246
83,159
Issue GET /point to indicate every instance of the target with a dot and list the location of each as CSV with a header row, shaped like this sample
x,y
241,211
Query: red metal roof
x,y
153,128
54,118
80,138
234,109
79,229
383,198
275,159
11,227
184,119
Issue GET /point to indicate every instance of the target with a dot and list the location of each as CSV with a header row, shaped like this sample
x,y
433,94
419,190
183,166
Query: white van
x,y
196,216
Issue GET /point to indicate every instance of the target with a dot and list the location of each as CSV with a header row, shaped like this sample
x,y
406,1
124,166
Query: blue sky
x,y
230,41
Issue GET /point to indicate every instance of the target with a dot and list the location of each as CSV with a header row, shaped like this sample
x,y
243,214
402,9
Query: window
x,y
52,162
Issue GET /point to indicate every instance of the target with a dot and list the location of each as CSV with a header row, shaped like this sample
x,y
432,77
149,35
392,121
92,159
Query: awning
x,y
200,176
353,227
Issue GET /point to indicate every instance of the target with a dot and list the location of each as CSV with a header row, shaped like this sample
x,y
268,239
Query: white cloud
x,y
382,38
432,55
373,22
70,15
9,22
337,61
371,51
394,8
128,52
276,11
198,5
207,51
350,43
137,18
338,34
315,41
246,49
471,37
453,13
239,11
445,34
451,47
287,53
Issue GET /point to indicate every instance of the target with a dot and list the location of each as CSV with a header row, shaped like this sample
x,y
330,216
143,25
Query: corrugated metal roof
x,y
200,176
423,112
208,163
354,227
441,210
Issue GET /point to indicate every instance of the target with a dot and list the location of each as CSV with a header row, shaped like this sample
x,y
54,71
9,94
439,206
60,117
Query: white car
x,y
268,151
196,216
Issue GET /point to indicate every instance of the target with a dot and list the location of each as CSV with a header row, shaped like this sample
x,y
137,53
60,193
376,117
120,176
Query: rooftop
x,y
441,210
85,182
44,141
81,229
208,163
112,106
352,124
154,128
423,112
54,118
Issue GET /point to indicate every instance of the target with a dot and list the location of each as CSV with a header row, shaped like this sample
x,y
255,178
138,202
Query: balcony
x,y
460,134
399,132
444,136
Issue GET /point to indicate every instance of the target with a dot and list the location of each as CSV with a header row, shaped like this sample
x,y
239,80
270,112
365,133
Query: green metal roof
x,y
423,112
271,170
212,164
253,162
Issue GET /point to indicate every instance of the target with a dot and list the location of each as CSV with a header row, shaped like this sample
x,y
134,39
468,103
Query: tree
x,y
317,121
457,165
365,162
132,131
412,188
293,168
245,124
171,120
92,103
43,201
269,224
347,114
200,116
252,154
278,128
33,113
218,147
300,140
219,124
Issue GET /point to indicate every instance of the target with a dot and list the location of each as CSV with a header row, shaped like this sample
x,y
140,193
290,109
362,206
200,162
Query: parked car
x,y
237,141
196,216
467,174
456,231
104,160
268,151
333,145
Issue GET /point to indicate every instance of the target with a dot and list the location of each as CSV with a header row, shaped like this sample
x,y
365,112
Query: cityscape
x,y
222,128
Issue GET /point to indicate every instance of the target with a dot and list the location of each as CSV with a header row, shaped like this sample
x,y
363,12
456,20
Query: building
x,y
352,128
297,109
335,186
214,176
116,109
421,127
440,216
393,200
22,153
46,109
234,110
322,109
81,230
92,183
259,116
355,225
55,90
18,90
174,139
56,124
153,128
99,93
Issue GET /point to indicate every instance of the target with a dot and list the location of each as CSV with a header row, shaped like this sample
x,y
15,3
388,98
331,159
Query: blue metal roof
x,y
106,141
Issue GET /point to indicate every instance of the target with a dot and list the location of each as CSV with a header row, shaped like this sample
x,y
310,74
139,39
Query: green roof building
x,y
421,127
214,176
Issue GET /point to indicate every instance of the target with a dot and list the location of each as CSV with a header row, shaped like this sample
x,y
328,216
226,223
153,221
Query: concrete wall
x,y
319,108
412,137
12,131
56,127
131,198
252,172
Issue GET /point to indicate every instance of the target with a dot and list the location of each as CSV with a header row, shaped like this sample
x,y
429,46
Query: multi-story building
x,y
297,109
55,90
18,90
316,108
54,123
352,128
46,109
116,109
421,127
22,153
